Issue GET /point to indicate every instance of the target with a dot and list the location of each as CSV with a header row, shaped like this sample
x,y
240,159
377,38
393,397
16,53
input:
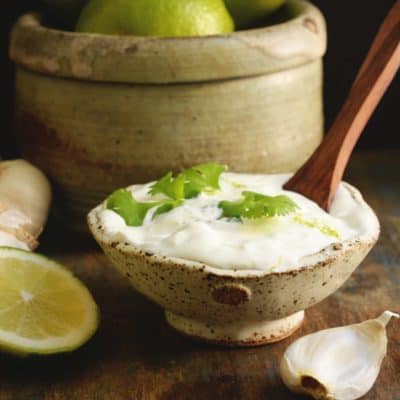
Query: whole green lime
x,y
247,13
155,17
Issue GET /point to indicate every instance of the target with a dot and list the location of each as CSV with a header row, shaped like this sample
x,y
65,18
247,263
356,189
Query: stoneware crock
x,y
97,112
236,308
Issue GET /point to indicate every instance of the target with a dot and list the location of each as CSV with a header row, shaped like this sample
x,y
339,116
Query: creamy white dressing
x,y
195,231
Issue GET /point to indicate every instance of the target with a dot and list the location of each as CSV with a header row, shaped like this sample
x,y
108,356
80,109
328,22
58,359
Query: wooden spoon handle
x,y
320,176
391,20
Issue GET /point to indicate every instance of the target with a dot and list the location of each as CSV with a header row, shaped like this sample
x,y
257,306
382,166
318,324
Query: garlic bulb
x,y
25,197
340,363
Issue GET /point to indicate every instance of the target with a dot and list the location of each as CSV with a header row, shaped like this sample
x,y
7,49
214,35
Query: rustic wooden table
x,y
135,355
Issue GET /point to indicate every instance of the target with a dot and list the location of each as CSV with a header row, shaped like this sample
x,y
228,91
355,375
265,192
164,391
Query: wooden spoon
x,y
319,177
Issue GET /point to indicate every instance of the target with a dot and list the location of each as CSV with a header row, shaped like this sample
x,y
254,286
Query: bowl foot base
x,y
237,335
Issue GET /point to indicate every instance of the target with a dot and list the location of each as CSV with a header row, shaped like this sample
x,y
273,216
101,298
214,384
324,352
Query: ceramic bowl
x,y
237,307
98,112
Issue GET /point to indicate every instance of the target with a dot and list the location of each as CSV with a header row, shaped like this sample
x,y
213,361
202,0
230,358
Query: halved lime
x,y
44,308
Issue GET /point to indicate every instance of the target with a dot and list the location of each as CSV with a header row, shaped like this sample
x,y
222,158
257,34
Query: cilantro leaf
x,y
170,186
256,205
190,182
325,229
210,173
134,212
201,178
123,203
167,206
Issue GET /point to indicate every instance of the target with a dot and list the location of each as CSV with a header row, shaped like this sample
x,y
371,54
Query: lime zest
x,y
323,228
255,205
235,184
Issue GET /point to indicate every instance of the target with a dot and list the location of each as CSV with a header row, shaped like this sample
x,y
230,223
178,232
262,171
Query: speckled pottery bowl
x,y
97,112
237,307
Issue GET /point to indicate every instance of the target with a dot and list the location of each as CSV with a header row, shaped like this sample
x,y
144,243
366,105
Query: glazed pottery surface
x,y
99,112
236,307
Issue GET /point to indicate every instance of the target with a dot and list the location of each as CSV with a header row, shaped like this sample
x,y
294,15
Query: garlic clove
x,y
340,363
25,196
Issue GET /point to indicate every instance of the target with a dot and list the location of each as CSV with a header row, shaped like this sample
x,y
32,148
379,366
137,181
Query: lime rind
x,y
11,342
157,18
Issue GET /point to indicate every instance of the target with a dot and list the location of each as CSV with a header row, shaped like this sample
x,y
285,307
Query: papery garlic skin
x,y
8,240
25,196
339,363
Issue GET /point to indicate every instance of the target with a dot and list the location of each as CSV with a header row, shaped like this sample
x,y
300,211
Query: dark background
x,y
351,28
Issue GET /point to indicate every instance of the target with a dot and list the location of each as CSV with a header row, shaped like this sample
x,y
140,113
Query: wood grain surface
x,y
135,355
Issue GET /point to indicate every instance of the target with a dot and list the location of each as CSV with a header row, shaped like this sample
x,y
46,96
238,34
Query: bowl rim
x,y
324,257
112,58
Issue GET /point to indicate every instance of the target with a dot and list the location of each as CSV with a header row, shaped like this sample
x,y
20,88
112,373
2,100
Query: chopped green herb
x,y
256,205
325,229
190,182
203,177
124,204
170,186
134,212
167,206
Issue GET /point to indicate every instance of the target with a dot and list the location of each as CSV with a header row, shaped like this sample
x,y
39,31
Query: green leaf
x,y
190,182
211,173
170,186
124,204
325,229
256,205
134,212
201,178
167,206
